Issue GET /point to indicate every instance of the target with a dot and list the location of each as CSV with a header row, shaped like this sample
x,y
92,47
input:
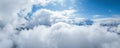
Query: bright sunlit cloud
x,y
58,24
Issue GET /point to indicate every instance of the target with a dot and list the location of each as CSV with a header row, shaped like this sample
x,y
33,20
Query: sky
x,y
59,24
107,8
88,8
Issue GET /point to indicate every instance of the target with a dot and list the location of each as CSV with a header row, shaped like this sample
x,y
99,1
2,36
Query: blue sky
x,y
106,8
87,8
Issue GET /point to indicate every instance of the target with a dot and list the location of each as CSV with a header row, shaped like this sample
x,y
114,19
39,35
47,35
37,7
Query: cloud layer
x,y
54,29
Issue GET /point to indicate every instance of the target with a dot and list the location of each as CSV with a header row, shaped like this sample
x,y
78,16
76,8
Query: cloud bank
x,y
54,29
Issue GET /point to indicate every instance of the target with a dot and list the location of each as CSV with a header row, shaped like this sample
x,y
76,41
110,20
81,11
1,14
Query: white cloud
x,y
53,2
63,35
41,2
53,29
10,8
48,17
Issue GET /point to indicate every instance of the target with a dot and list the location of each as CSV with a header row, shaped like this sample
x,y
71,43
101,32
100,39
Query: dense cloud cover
x,y
54,29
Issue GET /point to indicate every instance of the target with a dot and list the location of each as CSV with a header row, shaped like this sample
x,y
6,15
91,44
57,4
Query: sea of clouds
x,y
53,29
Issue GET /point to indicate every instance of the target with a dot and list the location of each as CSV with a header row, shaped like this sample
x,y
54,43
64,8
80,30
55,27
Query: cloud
x,y
63,35
10,8
52,2
54,29
48,17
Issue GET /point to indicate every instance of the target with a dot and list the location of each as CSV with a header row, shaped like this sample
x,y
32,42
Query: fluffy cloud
x,y
63,35
54,29
48,17
60,34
